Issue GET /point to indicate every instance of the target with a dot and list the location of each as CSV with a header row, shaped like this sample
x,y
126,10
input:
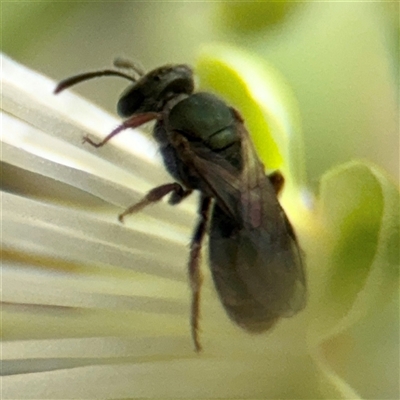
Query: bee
x,y
254,256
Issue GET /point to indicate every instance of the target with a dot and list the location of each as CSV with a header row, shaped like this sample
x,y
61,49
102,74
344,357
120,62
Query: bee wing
x,y
245,195
268,259
277,277
219,178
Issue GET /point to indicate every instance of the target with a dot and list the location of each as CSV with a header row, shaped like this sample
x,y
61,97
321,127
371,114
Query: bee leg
x,y
132,122
277,180
178,196
195,276
155,195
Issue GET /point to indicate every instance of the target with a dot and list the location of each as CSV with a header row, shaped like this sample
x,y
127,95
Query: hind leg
x,y
277,180
194,267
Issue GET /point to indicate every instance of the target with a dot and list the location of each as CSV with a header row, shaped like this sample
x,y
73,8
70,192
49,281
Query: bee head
x,y
154,89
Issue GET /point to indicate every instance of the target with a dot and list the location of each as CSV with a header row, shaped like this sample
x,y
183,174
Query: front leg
x,y
156,194
132,122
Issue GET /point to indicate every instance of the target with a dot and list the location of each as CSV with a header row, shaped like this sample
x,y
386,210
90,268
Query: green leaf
x,y
252,16
261,95
359,210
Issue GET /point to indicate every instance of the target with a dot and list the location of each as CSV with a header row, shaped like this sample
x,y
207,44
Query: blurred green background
x,y
340,58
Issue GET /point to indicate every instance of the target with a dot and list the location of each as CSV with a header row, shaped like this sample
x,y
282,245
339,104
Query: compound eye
x,y
130,102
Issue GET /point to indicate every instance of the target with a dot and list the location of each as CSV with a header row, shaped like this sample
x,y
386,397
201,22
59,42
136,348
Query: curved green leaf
x,y
359,209
262,96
